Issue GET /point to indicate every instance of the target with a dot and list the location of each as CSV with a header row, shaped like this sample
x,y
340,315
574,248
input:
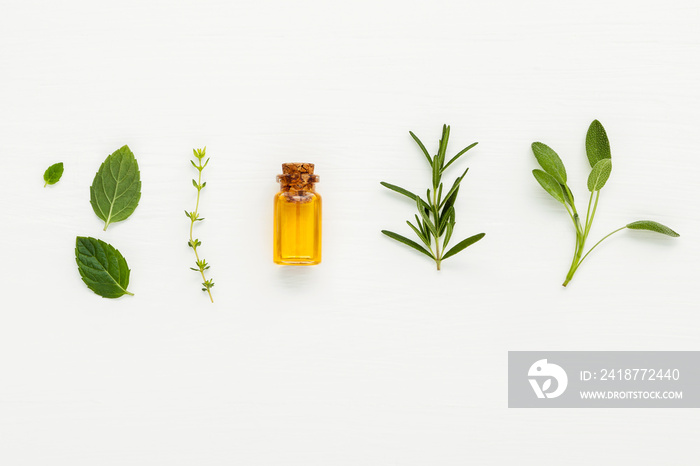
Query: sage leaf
x,y
53,174
102,267
407,242
463,245
652,226
116,188
597,144
549,184
599,175
549,161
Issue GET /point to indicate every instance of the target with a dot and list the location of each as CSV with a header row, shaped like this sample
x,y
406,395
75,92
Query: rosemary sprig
x,y
194,217
553,179
436,220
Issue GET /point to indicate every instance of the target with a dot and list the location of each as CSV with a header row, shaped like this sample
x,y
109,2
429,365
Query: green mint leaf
x,y
407,242
102,267
463,245
549,161
597,144
599,175
550,185
116,189
652,226
53,173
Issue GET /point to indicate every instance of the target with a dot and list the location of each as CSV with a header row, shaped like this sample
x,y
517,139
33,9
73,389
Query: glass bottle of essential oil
x,y
297,224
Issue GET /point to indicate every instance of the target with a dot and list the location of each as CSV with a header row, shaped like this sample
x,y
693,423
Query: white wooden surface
x,y
372,358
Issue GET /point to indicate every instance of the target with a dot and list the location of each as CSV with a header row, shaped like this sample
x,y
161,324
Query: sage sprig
x,y
553,179
436,217
194,243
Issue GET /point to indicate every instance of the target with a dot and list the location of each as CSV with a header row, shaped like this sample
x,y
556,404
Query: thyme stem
x,y
194,216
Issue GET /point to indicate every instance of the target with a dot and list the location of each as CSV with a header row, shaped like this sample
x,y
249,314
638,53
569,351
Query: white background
x,y
372,357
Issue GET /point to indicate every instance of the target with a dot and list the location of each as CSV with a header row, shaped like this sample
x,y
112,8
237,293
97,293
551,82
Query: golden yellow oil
x,y
297,228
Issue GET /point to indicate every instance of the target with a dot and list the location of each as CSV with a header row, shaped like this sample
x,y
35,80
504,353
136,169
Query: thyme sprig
x,y
436,217
194,243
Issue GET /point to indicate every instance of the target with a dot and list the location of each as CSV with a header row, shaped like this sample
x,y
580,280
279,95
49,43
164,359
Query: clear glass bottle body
x,y
297,217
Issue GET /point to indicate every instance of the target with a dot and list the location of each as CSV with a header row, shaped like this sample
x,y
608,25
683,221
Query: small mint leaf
x,y
53,173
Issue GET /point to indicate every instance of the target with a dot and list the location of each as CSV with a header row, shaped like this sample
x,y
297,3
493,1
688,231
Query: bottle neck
x,y
294,184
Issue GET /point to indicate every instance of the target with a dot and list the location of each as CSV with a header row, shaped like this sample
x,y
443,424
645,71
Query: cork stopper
x,y
297,177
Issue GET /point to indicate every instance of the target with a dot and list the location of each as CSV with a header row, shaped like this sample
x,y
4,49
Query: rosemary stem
x,y
438,258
